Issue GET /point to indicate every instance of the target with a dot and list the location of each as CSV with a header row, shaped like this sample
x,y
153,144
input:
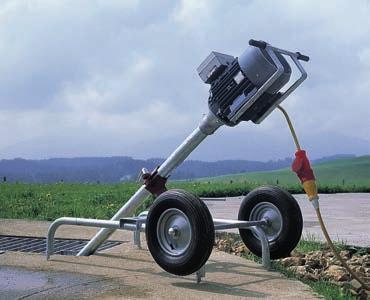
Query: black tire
x,y
172,258
283,236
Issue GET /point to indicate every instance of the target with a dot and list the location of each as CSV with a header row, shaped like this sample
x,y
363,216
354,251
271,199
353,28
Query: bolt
x,y
267,221
173,232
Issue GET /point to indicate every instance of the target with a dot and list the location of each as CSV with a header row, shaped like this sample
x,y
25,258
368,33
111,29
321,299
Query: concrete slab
x,y
347,216
129,273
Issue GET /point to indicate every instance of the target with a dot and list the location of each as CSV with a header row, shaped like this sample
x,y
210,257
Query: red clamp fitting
x,y
155,183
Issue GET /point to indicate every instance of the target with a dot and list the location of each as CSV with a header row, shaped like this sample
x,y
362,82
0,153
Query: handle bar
x,y
258,44
263,45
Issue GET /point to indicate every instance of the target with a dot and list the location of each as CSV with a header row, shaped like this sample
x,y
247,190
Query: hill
x,y
124,169
349,171
119,169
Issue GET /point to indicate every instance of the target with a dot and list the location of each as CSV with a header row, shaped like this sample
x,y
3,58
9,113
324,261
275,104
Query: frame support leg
x,y
201,273
266,261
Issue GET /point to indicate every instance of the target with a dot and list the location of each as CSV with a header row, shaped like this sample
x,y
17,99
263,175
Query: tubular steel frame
x,y
137,225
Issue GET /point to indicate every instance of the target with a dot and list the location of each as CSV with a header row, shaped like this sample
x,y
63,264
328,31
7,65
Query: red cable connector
x,y
302,167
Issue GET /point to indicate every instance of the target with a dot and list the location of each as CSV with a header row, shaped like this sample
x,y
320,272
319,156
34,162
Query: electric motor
x,y
247,87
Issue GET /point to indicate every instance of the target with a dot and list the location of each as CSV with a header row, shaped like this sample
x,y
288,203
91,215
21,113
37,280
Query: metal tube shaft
x,y
208,126
182,152
124,211
221,224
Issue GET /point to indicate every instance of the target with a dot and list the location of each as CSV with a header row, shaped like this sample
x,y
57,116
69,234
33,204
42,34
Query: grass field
x,y
348,172
50,201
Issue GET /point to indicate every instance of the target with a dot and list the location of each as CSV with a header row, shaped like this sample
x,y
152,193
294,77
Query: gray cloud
x,y
118,77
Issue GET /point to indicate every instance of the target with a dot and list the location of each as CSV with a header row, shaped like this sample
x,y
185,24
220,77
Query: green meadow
x,y
50,201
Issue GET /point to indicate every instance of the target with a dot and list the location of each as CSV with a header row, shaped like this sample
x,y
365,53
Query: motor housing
x,y
234,81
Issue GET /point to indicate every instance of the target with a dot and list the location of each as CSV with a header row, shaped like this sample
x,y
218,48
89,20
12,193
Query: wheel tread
x,y
203,228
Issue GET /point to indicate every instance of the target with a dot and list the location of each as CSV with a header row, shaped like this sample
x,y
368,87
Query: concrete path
x,y
127,273
347,216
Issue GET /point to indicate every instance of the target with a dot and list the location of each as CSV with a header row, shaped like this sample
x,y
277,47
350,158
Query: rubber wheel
x,y
179,232
284,218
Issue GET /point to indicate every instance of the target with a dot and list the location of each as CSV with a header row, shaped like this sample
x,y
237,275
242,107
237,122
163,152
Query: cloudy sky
x,y
105,77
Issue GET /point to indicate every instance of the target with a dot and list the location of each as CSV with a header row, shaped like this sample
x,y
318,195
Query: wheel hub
x,y
271,214
174,231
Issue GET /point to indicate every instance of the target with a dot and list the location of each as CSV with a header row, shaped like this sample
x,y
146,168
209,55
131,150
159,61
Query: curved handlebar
x,y
302,57
263,45
258,44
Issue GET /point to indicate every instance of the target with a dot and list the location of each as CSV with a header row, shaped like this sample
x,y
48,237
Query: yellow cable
x,y
295,138
318,213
